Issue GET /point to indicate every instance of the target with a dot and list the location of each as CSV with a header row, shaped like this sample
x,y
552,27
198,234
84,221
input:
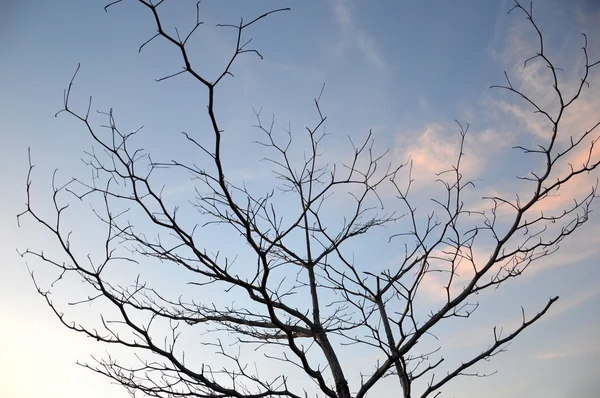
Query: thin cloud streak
x,y
353,36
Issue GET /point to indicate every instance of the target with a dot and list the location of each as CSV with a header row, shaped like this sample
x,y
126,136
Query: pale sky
x,y
404,69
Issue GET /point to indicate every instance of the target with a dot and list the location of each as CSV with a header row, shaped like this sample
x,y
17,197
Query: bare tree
x,y
306,299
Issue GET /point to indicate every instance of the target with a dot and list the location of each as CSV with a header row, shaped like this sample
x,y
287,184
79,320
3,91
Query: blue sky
x,y
405,70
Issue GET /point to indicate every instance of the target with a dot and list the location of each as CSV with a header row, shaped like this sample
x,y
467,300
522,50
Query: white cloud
x,y
354,37
342,14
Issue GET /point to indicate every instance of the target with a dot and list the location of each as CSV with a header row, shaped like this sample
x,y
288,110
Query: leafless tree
x,y
305,299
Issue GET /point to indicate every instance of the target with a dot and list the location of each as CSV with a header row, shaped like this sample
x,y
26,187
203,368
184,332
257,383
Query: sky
x,y
404,70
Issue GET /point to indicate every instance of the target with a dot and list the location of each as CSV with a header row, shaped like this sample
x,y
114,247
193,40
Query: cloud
x,y
433,285
568,304
434,148
536,82
342,14
506,120
569,353
583,348
431,150
481,333
354,37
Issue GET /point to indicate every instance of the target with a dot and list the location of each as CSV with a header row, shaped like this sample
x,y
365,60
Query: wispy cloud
x,y
508,120
586,349
435,148
481,333
353,36
568,304
537,82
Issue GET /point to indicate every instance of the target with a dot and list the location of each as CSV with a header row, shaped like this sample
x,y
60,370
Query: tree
x,y
305,298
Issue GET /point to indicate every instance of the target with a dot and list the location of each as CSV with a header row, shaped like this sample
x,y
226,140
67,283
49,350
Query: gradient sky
x,y
404,69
